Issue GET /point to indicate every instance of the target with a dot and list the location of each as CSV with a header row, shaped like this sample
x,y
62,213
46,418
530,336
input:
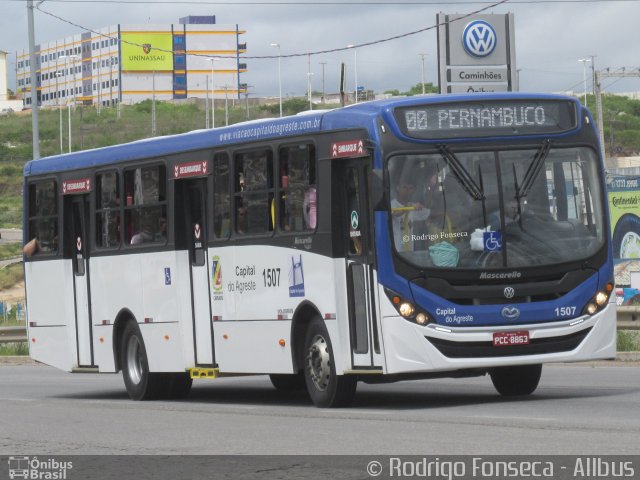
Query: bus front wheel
x,y
140,383
325,387
517,380
288,382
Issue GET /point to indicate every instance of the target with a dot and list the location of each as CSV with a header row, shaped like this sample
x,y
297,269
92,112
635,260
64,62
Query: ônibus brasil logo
x,y
479,38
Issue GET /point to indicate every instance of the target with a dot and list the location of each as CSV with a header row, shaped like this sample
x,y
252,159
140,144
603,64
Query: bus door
x,y
361,276
76,238
195,224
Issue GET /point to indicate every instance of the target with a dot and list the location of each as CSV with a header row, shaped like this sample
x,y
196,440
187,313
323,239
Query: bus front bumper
x,y
413,348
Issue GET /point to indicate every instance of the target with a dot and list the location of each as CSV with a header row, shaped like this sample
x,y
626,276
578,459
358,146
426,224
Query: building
x,y
130,63
7,104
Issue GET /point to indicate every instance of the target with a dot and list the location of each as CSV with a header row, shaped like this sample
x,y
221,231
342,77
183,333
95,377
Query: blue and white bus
x,y
433,236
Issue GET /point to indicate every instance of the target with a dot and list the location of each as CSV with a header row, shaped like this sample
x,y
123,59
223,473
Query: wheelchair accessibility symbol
x,y
492,241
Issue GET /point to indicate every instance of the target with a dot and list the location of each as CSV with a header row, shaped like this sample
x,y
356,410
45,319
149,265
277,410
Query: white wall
x,y
3,76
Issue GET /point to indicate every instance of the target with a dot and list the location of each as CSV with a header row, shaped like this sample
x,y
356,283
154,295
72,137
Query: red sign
x,y
191,169
82,185
506,339
350,148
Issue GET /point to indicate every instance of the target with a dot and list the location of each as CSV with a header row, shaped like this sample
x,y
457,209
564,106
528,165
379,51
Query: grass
x,y
628,341
13,349
10,250
11,275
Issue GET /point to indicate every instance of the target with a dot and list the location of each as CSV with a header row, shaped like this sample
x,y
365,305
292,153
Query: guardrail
x,y
628,319
13,334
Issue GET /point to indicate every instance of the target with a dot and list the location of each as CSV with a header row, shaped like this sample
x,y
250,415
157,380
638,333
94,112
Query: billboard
x,y
476,53
147,51
624,208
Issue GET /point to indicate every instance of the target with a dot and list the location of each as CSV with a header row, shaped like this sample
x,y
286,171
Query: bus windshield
x,y
496,209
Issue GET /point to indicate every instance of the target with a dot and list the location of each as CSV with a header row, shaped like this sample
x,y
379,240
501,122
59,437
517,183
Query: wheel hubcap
x,y
134,360
319,362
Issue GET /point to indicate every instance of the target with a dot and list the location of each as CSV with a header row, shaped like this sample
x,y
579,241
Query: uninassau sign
x,y
143,51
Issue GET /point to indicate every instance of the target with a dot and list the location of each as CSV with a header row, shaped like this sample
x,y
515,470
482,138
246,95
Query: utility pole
x,y
309,80
35,124
323,64
206,102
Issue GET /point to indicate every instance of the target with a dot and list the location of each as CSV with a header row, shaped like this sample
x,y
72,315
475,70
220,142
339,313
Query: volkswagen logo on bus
x,y
509,292
510,313
479,38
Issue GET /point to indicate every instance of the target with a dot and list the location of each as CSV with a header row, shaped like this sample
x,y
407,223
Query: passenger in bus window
x,y
309,207
146,233
241,221
161,234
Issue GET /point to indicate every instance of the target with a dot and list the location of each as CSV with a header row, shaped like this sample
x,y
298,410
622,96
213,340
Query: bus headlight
x,y
406,309
599,300
422,319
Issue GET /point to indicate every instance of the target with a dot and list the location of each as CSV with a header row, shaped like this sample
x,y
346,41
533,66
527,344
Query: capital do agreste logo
x,y
479,38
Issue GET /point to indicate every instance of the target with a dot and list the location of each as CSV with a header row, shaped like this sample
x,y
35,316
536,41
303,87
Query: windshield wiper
x,y
533,170
461,173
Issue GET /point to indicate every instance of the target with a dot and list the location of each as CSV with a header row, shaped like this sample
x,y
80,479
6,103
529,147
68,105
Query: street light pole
x,y
422,55
584,76
355,69
58,74
213,92
279,73
73,59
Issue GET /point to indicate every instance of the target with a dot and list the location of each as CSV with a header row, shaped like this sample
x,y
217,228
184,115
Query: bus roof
x,y
360,115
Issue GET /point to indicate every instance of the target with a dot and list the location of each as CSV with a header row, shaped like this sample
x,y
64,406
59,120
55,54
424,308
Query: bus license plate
x,y
505,339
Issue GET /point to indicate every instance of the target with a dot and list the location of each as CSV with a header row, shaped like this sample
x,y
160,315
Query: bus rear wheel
x,y
140,383
325,387
515,381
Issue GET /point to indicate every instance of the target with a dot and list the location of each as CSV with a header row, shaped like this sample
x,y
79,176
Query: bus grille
x,y
538,346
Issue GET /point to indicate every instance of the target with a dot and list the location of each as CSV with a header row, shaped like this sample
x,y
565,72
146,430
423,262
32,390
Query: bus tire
x,y
515,381
626,235
325,387
178,385
140,383
288,382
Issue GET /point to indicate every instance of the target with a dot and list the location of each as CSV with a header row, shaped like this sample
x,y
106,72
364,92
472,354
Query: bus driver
x,y
405,213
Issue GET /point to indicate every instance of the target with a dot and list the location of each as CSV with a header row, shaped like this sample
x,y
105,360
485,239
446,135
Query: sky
x,y
550,37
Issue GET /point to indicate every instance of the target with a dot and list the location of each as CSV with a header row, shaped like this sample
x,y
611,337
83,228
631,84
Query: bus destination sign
x,y
487,118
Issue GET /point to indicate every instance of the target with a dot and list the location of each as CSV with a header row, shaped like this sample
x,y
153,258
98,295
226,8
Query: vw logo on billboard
x,y
509,292
479,38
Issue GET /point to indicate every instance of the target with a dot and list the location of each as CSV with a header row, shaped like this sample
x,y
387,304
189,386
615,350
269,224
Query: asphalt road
x,y
576,410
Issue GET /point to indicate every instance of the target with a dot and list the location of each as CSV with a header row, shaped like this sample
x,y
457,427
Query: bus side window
x,y
43,218
298,194
107,210
253,192
145,211
221,198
